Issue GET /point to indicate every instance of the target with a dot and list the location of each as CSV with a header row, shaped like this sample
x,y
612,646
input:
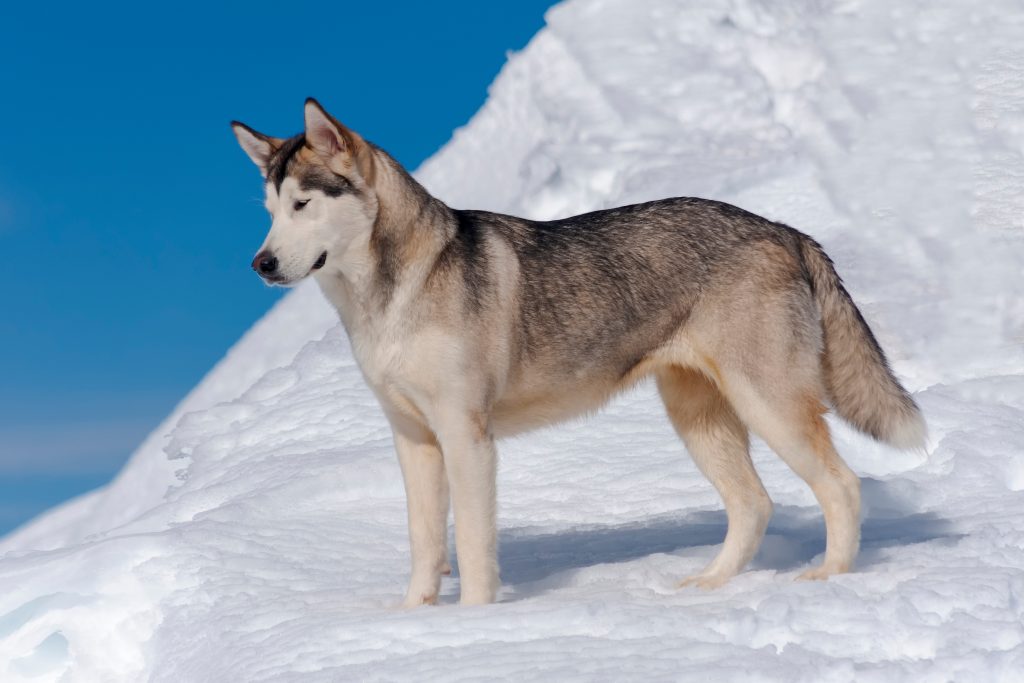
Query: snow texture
x,y
260,534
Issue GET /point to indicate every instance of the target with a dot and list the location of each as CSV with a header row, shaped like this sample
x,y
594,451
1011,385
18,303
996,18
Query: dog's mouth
x,y
320,262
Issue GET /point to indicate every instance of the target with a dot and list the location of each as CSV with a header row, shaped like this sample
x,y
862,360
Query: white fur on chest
x,y
404,364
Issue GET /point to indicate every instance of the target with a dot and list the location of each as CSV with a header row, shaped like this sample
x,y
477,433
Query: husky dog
x,y
470,326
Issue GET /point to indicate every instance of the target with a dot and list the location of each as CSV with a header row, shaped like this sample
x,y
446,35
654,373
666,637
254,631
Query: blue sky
x,y
127,210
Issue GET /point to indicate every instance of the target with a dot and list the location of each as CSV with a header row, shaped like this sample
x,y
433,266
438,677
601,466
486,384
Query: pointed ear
x,y
325,135
342,149
258,146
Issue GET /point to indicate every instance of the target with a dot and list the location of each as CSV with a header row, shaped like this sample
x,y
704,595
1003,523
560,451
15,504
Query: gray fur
x,y
604,289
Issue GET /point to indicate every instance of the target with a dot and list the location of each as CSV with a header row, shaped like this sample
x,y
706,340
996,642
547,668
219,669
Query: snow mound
x,y
264,538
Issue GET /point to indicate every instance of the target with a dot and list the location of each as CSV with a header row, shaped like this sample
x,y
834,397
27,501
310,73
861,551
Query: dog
x,y
470,326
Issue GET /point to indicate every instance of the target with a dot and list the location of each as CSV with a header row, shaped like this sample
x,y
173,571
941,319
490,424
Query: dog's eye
x,y
301,204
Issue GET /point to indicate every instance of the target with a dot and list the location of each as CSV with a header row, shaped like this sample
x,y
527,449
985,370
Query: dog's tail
x,y
858,379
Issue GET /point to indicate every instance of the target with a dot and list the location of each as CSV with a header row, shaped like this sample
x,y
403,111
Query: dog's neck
x,y
387,264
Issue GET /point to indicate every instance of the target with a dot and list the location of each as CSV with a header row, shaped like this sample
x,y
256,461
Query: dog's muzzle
x,y
265,263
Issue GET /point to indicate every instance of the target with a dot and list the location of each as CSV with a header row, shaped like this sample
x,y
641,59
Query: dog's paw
x,y
705,581
414,600
819,573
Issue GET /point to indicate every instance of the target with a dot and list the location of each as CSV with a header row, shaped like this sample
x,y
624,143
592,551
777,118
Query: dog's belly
x,y
525,408
541,396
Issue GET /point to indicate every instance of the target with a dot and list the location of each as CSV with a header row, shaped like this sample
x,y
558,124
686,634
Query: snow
x,y
259,534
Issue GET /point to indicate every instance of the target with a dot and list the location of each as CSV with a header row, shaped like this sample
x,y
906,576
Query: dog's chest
x,y
377,338
404,367
403,362
378,347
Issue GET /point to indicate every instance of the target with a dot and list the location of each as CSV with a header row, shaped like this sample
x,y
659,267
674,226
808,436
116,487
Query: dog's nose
x,y
265,263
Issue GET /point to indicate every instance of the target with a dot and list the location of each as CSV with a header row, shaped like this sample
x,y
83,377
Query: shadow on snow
x,y
796,535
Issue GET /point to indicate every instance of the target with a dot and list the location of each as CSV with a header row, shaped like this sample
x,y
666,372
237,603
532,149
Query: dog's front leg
x,y
471,463
426,492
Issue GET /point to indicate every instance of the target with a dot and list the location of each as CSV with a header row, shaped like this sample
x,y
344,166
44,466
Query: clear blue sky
x,y
127,217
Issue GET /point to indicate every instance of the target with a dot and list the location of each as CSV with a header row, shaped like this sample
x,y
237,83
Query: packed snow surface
x,y
260,533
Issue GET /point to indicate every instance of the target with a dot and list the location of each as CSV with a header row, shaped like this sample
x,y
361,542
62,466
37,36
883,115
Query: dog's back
x,y
603,289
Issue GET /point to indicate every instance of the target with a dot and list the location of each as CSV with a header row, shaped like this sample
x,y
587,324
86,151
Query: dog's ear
x,y
338,146
258,146
324,134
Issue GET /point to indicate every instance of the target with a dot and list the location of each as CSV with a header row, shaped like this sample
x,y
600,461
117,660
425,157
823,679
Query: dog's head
x,y
319,192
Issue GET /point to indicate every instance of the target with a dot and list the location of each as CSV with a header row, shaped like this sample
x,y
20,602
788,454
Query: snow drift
x,y
259,534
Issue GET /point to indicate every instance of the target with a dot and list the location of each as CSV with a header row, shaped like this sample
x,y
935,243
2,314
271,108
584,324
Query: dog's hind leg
x,y
717,441
791,421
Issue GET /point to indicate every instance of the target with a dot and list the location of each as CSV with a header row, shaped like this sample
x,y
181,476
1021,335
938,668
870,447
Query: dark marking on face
x,y
278,164
324,180
285,161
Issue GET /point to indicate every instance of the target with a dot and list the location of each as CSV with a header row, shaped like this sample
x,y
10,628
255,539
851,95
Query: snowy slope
x,y
271,544
270,343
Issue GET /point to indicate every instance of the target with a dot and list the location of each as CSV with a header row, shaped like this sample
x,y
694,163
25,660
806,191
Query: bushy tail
x,y
860,383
